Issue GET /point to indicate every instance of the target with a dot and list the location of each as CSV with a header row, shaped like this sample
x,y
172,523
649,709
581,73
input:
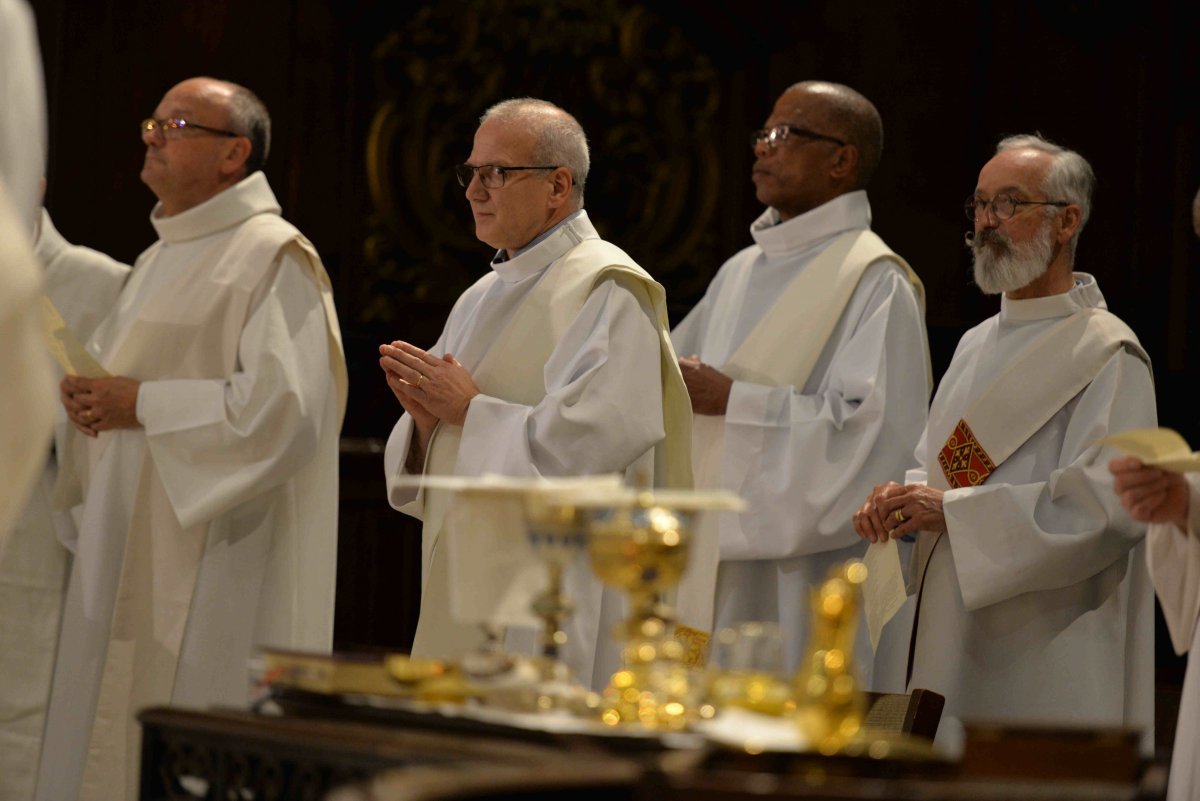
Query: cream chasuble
x,y
567,343
27,584
1040,571
821,327
212,529
83,285
1173,556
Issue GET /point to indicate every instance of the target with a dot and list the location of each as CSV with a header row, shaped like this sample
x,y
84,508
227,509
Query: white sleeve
x,y
1010,538
1173,558
805,462
219,443
603,404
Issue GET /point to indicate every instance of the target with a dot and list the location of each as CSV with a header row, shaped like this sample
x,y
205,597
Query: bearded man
x,y
1033,604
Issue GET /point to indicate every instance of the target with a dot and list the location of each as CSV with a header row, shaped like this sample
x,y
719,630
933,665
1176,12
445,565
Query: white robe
x,y
211,529
603,412
26,417
1174,559
1035,606
83,285
22,110
804,458
27,405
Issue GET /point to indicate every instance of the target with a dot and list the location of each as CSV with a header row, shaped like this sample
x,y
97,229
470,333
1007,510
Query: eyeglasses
x,y
490,175
1004,206
780,133
171,127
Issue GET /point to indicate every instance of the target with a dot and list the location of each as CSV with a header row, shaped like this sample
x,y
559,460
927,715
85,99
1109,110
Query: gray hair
x,y
249,117
1069,178
561,140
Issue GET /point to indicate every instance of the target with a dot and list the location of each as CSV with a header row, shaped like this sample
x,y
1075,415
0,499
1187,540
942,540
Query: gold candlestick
x,y
829,703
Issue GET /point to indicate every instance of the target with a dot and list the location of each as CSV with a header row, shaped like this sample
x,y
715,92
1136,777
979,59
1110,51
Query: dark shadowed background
x,y
373,102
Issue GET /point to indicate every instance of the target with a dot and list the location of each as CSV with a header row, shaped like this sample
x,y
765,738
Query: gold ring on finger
x,y
420,378
900,518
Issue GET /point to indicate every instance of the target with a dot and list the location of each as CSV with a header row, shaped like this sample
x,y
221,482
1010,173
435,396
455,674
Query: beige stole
x,y
162,557
513,370
1031,389
780,351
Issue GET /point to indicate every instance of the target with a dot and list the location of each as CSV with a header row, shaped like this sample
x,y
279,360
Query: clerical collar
x,y
546,248
502,256
1085,294
846,212
252,195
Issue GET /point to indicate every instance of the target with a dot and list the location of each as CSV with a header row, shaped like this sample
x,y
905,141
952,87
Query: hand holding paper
x,y
1156,447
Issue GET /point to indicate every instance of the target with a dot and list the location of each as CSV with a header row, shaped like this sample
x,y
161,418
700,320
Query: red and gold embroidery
x,y
964,461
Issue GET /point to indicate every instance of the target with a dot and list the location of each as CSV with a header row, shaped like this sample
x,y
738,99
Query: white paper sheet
x,y
883,592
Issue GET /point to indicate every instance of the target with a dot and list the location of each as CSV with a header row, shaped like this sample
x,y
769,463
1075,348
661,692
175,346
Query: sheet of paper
x,y
1157,447
65,347
883,592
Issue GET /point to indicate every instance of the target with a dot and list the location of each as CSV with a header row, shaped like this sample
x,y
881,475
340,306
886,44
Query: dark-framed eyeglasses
x,y
780,133
1004,206
174,126
491,175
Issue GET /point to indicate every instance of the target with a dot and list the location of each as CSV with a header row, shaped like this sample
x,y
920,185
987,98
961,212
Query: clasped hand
x,y
430,389
707,386
919,508
100,404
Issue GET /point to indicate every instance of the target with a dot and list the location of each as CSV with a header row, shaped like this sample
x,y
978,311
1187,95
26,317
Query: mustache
x,y
975,242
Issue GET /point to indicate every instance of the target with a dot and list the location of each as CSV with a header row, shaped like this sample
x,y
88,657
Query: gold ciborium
x,y
639,543
829,703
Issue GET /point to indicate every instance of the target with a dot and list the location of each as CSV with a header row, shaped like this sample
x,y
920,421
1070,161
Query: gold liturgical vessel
x,y
829,703
639,543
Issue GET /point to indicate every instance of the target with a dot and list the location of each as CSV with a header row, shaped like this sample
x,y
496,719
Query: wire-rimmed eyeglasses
x,y
780,133
1004,206
172,125
491,175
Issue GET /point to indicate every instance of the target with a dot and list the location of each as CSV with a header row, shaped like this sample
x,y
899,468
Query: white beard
x,y
1014,266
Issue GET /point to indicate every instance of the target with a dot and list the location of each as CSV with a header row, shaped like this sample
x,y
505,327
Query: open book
x,y
1157,447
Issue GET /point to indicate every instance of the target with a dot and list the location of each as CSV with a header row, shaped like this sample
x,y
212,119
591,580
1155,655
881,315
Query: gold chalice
x,y
557,534
639,543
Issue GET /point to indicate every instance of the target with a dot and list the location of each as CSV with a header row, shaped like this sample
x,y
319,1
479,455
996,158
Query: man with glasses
x,y
807,366
203,467
1033,604
555,363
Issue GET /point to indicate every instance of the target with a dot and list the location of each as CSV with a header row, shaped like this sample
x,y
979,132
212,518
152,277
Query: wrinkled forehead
x,y
1014,171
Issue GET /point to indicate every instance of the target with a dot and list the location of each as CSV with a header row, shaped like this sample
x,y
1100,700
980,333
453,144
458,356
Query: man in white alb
x,y
556,363
205,466
1032,601
807,365
30,588
1170,503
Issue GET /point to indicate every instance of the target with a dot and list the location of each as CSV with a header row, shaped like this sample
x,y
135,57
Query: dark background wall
x,y
373,101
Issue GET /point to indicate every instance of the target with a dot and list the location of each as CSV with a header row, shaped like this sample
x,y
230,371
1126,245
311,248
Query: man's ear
x,y
845,163
1069,222
236,153
561,184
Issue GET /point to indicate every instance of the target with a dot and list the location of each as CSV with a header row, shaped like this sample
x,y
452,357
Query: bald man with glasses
x,y
202,469
807,366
